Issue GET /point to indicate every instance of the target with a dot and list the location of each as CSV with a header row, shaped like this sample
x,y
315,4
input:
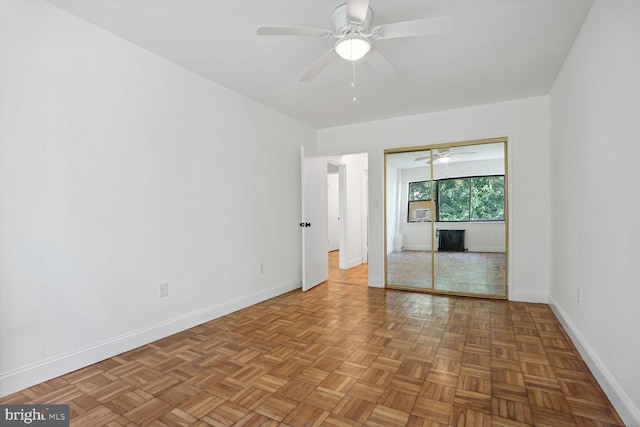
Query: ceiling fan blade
x,y
380,63
419,27
421,158
318,66
357,10
293,31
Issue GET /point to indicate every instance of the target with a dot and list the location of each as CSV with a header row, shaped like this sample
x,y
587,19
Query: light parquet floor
x,y
345,355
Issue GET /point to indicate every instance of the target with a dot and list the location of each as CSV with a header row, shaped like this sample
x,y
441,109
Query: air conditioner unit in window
x,y
422,214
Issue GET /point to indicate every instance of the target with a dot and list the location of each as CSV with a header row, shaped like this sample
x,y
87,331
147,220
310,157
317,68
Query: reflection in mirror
x,y
446,219
409,209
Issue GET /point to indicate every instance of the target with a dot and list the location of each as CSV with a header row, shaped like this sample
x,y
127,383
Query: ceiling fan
x,y
443,155
351,22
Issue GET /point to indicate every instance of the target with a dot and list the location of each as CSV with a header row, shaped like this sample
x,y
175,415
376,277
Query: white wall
x,y
118,171
356,173
524,122
478,236
595,204
394,219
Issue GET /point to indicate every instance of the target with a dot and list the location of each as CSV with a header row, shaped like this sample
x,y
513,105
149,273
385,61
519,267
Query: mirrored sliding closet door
x,y
446,218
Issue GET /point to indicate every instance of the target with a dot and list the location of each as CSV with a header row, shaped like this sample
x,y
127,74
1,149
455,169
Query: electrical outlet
x,y
163,289
261,268
579,295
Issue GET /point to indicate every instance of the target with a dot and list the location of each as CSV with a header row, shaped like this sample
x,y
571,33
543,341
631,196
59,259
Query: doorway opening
x,y
358,275
337,211
347,206
352,213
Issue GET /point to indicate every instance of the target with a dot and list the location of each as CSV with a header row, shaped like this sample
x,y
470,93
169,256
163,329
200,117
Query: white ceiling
x,y
498,50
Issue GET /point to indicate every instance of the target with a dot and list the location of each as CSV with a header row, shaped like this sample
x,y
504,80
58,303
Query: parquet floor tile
x,y
383,416
344,354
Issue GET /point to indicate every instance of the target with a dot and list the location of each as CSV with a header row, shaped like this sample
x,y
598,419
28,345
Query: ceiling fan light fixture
x,y
444,159
352,47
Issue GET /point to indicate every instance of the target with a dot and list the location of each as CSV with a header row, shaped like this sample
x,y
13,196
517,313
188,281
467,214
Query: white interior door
x,y
315,237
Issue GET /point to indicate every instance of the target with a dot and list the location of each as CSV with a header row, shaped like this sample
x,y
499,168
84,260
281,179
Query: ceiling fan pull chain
x,y
353,79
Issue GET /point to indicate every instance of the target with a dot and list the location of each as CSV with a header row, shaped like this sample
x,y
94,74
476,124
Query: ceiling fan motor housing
x,y
345,26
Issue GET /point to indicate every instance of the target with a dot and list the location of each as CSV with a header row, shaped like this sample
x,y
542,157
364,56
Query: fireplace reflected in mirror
x,y
446,218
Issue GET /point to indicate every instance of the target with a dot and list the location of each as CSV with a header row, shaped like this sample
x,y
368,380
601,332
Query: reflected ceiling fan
x,y
444,155
351,22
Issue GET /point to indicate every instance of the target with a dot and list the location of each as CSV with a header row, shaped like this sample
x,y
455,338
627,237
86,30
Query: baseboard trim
x,y
487,249
53,367
376,282
354,262
534,297
627,410
416,248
